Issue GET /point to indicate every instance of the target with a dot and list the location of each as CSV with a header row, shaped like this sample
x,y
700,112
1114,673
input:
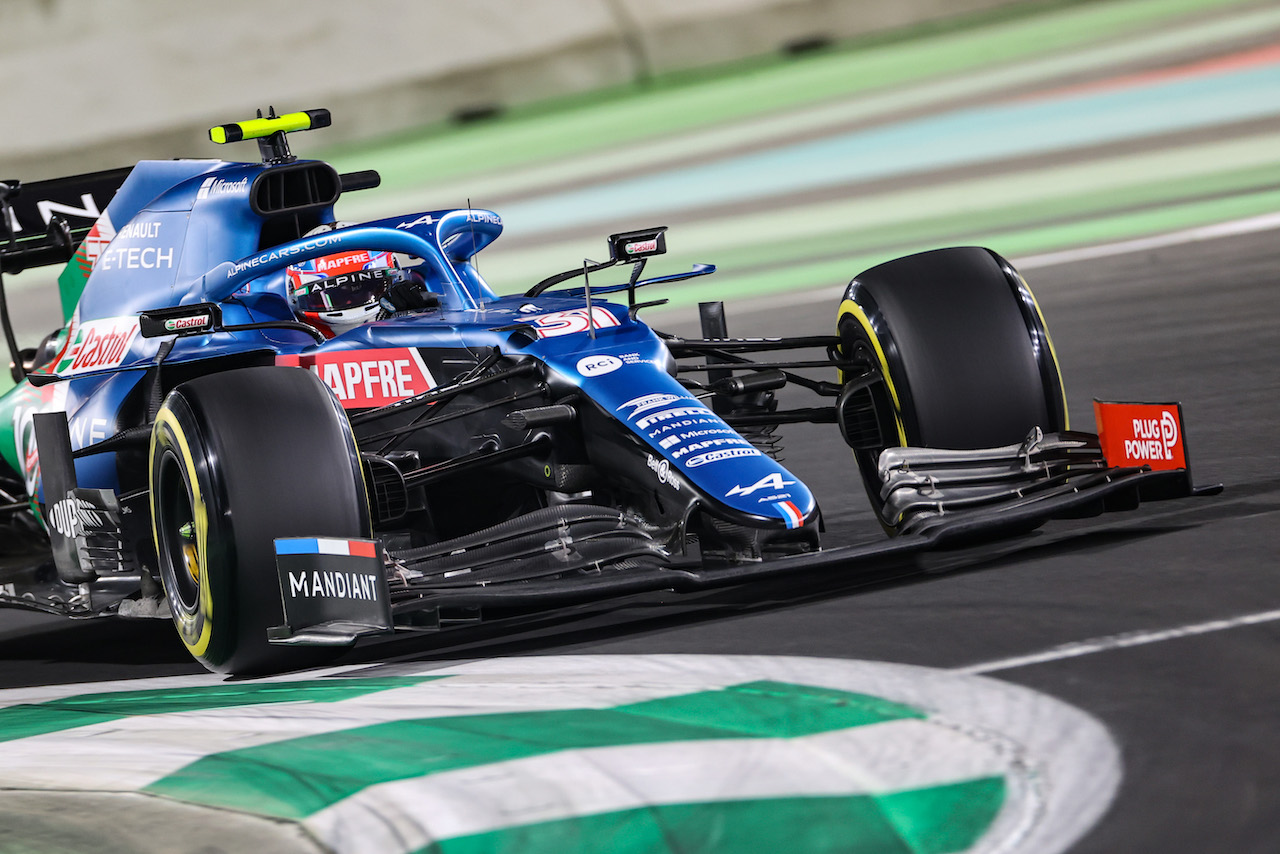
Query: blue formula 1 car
x,y
287,432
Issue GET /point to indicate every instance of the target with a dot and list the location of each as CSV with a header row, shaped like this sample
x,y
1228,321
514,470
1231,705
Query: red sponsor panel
x,y
366,378
1141,434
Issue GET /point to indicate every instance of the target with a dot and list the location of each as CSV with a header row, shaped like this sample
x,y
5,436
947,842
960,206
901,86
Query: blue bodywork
x,y
185,232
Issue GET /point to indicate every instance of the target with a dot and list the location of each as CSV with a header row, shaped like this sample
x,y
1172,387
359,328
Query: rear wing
x,y
30,235
43,223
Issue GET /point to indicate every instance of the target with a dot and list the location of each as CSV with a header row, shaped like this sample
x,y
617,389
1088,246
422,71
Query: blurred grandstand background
x,y
791,142
92,84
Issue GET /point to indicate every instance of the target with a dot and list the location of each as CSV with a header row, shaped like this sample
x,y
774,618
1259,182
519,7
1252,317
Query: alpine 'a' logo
x,y
770,481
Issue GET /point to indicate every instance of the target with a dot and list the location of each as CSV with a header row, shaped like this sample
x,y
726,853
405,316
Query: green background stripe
x,y
659,108
830,272
295,778
936,820
30,719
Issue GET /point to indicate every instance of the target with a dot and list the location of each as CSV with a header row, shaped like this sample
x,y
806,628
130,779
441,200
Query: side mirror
x,y
634,245
205,317
195,319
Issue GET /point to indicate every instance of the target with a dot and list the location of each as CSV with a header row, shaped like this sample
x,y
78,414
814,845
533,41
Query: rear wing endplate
x,y
29,236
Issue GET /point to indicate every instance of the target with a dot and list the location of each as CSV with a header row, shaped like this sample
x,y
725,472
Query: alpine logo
x,y
773,482
425,219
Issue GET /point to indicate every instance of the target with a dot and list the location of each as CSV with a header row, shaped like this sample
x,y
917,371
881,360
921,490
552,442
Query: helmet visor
x,y
344,291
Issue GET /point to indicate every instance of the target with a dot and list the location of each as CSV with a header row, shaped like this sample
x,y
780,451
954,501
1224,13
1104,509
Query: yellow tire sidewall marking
x,y
203,618
850,307
1044,327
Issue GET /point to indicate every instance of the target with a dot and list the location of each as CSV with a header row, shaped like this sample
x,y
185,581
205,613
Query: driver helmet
x,y
336,293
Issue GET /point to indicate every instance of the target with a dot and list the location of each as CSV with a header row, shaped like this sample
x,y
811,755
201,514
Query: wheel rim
x,y
179,549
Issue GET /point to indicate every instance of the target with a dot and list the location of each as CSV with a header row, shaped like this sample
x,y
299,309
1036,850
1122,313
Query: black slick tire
x,y
961,348
239,459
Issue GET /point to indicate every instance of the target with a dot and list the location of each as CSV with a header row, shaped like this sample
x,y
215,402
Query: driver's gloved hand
x,y
409,294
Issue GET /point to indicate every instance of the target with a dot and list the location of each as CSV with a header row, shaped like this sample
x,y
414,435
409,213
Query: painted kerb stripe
x,y
929,821
294,778
31,719
866,761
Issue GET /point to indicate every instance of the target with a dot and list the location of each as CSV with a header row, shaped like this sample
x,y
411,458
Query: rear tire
x,y
238,459
961,350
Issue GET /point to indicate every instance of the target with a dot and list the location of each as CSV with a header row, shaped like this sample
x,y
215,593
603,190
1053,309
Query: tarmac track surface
x,y
1180,598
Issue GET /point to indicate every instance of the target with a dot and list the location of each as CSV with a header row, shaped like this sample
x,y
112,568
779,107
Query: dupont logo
x,y
1141,434
218,187
71,516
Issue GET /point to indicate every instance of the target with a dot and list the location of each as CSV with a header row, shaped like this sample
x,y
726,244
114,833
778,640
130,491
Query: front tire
x,y
958,350
239,459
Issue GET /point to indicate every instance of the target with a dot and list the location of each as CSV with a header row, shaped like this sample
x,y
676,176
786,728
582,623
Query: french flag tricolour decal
x,y
332,590
326,546
791,513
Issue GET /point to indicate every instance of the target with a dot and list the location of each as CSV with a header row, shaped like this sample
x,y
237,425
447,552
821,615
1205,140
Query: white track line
x,y
1251,225
831,294
1121,641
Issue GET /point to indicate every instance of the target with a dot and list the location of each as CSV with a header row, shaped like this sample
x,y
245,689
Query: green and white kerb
x,y
590,753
